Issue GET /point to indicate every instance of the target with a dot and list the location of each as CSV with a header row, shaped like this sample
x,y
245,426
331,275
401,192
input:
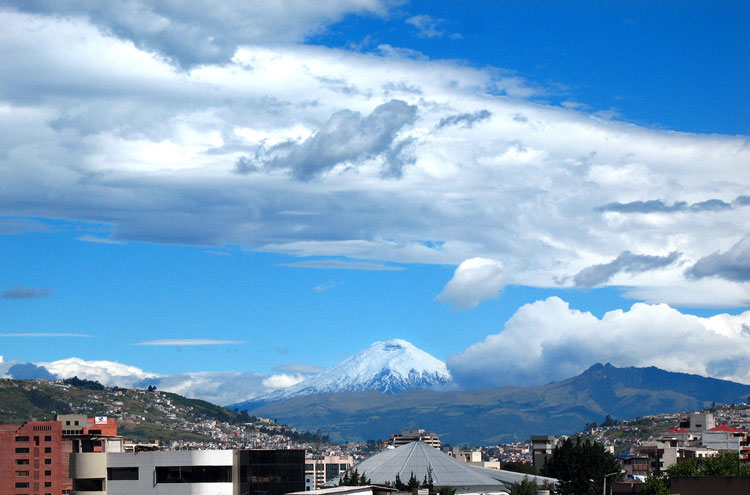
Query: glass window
x,y
122,473
22,484
22,461
47,450
48,461
194,474
22,439
47,438
22,450
22,473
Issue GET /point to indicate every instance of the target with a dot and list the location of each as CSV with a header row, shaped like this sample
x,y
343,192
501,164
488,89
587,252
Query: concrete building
x,y
319,471
724,437
188,472
541,448
408,436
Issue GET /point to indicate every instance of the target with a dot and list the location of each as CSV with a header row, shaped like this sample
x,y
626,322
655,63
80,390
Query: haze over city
x,y
228,201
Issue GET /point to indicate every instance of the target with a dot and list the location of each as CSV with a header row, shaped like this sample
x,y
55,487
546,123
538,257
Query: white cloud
x,y
102,129
105,372
224,387
547,341
475,280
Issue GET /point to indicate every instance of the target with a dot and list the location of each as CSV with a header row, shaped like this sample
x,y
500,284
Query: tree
x,y
524,487
655,485
520,467
446,490
398,484
580,467
412,484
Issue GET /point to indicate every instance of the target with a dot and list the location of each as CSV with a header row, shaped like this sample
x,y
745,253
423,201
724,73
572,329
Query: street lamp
x,y
604,487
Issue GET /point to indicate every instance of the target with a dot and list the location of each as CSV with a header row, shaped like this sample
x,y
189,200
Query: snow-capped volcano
x,y
389,366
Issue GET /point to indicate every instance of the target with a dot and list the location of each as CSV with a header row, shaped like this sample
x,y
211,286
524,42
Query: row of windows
x,y
25,450
26,473
194,474
22,462
24,438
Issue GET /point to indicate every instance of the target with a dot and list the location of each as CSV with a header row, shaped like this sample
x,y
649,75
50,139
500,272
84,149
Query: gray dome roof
x,y
417,457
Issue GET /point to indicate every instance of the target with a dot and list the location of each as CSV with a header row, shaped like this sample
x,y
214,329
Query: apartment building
x,y
320,470
409,436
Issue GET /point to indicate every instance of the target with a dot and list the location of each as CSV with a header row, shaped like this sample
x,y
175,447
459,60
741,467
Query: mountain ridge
x,y
389,366
509,413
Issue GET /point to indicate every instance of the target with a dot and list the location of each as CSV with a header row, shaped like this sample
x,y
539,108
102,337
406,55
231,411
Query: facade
x,y
34,456
31,459
320,471
408,436
724,438
188,472
541,449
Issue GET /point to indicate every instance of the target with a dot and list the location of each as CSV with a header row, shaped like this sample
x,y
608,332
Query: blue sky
x,y
266,189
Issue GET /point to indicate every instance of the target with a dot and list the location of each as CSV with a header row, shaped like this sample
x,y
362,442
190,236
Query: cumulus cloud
x,y
625,261
733,264
21,292
347,137
475,280
548,340
29,371
225,387
96,125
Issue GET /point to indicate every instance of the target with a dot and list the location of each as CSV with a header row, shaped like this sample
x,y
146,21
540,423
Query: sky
x,y
222,202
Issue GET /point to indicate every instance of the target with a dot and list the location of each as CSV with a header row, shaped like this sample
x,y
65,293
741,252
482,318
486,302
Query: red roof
x,y
678,430
724,427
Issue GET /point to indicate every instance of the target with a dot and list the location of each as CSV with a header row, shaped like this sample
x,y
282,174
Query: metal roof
x,y
417,457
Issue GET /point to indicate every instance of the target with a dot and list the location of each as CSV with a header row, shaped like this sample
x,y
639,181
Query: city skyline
x,y
254,193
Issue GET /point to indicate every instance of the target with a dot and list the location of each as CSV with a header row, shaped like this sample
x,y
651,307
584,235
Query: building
x,y
724,437
408,436
473,457
319,471
34,456
541,449
31,459
188,472
427,462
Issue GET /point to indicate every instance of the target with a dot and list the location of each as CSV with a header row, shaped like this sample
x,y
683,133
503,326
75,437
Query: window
x,y
48,461
194,474
22,484
48,473
122,473
22,473
22,439
22,461
47,484
47,438
22,450
88,485
47,450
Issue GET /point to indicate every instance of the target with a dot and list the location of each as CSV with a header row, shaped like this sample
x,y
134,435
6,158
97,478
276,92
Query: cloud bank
x,y
173,125
548,341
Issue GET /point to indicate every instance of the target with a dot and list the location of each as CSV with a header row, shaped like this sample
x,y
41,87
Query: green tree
x,y
580,467
364,480
656,485
446,490
520,467
398,484
412,484
524,487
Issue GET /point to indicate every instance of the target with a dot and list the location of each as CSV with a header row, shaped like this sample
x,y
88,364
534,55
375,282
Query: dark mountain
x,y
506,414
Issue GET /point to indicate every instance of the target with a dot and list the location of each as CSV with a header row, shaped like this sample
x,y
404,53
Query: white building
x,y
409,436
319,471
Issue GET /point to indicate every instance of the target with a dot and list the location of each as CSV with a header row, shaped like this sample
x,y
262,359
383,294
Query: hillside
x,y
483,417
142,415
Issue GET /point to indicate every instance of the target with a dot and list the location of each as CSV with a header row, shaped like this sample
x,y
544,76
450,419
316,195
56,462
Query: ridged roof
x,y
417,457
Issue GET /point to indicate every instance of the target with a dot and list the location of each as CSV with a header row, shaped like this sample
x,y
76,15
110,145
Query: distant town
x,y
106,426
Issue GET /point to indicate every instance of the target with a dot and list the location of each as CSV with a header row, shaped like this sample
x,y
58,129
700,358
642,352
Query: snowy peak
x,y
389,366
